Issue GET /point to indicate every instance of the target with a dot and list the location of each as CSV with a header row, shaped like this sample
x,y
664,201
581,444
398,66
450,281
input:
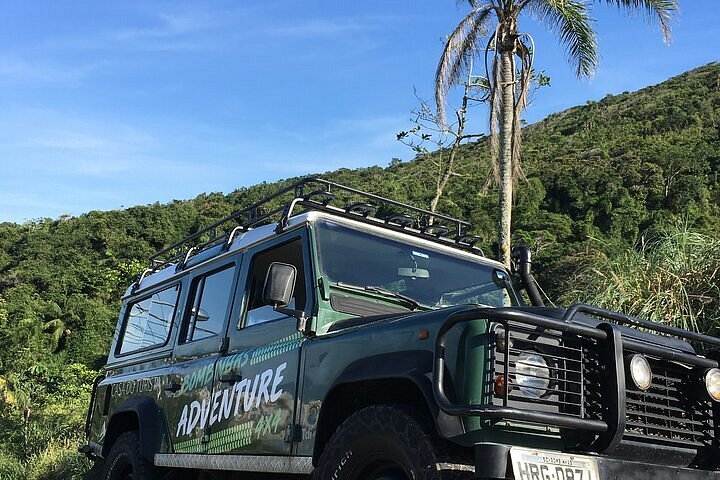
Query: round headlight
x,y
532,375
640,372
712,383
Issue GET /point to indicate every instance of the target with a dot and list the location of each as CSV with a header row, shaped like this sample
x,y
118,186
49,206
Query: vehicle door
x,y
188,394
257,382
141,359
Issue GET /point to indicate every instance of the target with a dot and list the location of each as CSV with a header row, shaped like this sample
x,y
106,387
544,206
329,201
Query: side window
x,y
257,311
148,321
209,294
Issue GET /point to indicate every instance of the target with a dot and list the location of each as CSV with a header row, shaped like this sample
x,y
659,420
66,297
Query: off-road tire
x,y
125,462
95,472
384,442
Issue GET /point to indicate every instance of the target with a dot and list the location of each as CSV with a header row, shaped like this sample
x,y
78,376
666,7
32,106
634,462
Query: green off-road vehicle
x,y
333,333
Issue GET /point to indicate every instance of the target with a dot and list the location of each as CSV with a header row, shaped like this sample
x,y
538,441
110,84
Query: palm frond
x,y
572,22
660,10
459,49
472,3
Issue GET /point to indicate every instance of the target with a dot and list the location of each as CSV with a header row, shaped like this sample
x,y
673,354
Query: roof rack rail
x,y
313,193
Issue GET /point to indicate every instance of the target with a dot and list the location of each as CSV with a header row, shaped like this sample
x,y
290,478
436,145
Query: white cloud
x,y
178,32
57,142
181,30
18,199
72,140
327,27
318,28
167,26
18,69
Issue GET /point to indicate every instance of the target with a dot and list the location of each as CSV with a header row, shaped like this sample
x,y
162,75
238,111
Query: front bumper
x,y
493,461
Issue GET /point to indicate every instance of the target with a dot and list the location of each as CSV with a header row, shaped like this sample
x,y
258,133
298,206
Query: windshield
x,y
433,279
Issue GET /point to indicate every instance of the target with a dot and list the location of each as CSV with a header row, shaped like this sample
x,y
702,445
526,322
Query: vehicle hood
x,y
628,332
556,313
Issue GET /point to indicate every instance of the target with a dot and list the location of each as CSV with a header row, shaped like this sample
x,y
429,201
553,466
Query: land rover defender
x,y
330,333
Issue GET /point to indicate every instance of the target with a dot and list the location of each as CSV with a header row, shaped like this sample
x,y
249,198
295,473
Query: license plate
x,y
531,464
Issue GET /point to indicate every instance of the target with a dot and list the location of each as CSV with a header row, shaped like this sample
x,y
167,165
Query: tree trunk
x,y
507,111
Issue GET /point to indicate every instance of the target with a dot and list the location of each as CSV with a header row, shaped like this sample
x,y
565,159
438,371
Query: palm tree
x,y
491,28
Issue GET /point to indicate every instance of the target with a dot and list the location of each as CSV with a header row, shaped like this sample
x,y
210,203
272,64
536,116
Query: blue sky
x,y
111,104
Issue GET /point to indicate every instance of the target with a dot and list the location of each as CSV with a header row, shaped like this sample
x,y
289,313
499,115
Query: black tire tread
x,y
127,445
410,425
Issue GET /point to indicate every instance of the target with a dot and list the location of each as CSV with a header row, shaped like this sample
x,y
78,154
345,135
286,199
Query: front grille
x,y
593,376
564,357
672,410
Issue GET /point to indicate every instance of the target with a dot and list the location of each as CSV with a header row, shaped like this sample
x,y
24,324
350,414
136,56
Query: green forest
x,y
620,205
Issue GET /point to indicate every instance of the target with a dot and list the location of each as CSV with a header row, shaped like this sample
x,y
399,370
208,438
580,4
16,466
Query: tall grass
x,y
44,447
671,277
54,458
60,460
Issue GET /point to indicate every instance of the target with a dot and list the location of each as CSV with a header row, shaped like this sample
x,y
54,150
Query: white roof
x,y
257,235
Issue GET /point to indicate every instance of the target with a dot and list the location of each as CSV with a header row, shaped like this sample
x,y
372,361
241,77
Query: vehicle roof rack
x,y
314,193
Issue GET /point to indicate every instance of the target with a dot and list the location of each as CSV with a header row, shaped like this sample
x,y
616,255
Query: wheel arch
x,y
402,378
143,415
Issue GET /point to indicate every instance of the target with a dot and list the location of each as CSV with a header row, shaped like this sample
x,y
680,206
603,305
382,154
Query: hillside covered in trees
x,y
602,179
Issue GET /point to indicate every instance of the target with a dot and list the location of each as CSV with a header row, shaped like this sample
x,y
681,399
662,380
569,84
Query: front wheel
x,y
382,443
125,462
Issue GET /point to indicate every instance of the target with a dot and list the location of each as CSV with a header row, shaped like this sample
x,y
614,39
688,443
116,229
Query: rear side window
x,y
148,321
210,295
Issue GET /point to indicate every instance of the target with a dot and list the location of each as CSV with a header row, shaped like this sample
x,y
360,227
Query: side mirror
x,y
279,284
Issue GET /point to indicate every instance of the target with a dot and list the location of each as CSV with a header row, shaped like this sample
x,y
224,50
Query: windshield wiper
x,y
409,302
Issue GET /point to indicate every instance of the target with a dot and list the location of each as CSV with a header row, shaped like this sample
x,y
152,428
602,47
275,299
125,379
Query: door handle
x,y
171,387
230,378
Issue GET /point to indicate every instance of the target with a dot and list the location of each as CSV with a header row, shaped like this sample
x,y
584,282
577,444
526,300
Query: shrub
x,y
671,277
